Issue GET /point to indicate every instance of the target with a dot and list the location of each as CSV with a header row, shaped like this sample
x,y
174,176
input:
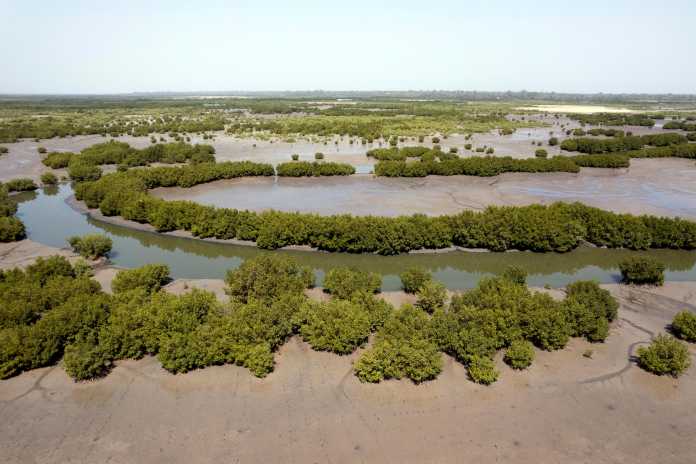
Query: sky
x,y
72,46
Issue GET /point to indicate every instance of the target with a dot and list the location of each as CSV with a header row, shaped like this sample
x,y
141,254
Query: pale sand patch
x,y
25,252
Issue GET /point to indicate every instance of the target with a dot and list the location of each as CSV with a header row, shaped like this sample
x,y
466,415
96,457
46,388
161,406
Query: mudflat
x,y
567,407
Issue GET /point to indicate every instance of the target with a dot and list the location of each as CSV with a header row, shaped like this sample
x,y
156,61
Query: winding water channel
x,y
50,221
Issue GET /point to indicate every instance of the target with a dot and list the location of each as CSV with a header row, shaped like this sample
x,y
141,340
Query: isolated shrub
x,y
482,370
642,270
431,296
267,277
665,355
150,277
41,150
541,153
85,360
48,178
684,326
3,150
339,326
342,282
490,150
318,156
413,279
20,185
519,355
91,246
435,140
295,157
467,146
515,274
553,141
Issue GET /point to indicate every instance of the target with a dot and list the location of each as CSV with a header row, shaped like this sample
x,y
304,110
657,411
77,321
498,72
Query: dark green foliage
x,y
314,169
519,354
58,160
20,185
482,370
11,229
413,279
474,166
48,178
343,282
339,326
80,171
91,246
41,150
602,161
591,295
85,360
150,277
614,119
642,270
665,355
541,153
4,150
553,141
684,326
431,296
319,156
267,277
402,348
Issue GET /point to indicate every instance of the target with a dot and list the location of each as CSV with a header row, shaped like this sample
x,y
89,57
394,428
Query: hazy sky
x,y
93,46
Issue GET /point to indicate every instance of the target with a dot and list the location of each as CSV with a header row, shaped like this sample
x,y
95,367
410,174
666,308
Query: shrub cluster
x,y
613,119
619,144
684,326
665,355
602,161
314,169
11,228
91,246
412,279
680,125
20,185
343,282
642,270
483,166
48,178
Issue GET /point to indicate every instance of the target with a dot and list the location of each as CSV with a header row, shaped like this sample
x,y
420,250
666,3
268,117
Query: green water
x,y
50,221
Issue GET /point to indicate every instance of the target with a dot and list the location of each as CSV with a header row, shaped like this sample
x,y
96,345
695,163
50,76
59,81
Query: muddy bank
x,y
662,187
566,408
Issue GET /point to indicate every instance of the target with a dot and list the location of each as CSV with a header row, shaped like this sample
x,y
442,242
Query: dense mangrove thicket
x,y
85,166
52,310
558,227
483,166
619,144
313,169
11,228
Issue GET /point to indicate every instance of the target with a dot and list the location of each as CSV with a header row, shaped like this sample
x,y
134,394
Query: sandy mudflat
x,y
566,408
